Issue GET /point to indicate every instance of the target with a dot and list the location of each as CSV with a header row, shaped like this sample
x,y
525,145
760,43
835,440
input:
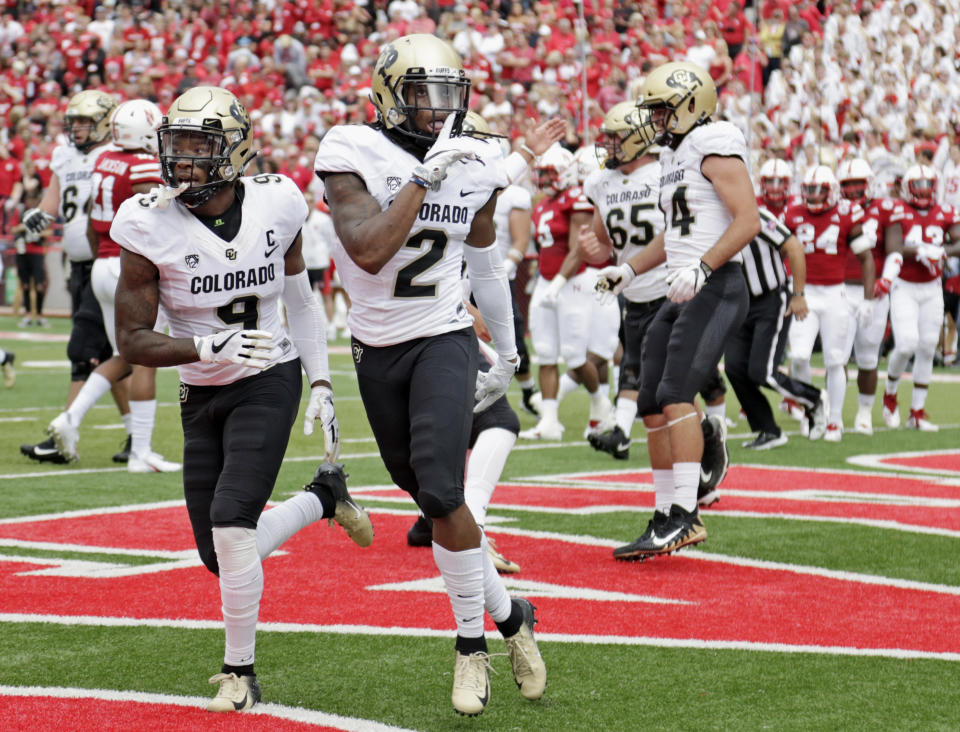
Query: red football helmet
x,y
919,186
820,190
775,182
855,176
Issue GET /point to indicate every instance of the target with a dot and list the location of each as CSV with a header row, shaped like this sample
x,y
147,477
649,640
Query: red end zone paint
x,y
782,606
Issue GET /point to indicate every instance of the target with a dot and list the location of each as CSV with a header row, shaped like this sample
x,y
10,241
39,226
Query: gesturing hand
x,y
444,153
612,279
243,347
321,405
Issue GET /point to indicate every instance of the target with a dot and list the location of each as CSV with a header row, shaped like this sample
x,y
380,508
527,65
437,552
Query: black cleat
x,y
421,533
715,460
332,481
529,401
681,528
766,441
124,455
632,551
44,452
613,442
9,373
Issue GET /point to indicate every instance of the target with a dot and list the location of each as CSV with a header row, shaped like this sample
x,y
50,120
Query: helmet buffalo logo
x,y
682,79
239,113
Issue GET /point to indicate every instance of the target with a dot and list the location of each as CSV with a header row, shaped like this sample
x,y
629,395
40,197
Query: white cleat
x,y
545,430
834,432
863,424
918,420
236,693
65,436
471,683
152,462
529,671
500,562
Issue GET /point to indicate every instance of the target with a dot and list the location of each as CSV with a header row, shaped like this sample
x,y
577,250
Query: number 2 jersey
x,y
115,174
825,237
628,207
208,284
74,171
417,293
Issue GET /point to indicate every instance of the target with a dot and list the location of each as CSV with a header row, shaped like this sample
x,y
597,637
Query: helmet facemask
x,y
206,150
774,190
74,125
816,196
439,97
922,192
854,189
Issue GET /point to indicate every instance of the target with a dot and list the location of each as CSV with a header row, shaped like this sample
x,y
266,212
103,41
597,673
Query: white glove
x,y
243,347
492,384
321,405
930,256
510,267
550,295
161,196
865,313
444,153
36,221
687,282
613,279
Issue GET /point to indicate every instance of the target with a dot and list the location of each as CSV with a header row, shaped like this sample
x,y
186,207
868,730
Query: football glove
x,y
930,256
444,153
321,405
492,384
550,295
613,279
865,313
882,287
243,347
509,267
685,283
36,221
161,196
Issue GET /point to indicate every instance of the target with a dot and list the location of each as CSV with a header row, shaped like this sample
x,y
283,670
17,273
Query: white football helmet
x,y
556,169
855,177
586,160
820,190
775,177
134,125
919,186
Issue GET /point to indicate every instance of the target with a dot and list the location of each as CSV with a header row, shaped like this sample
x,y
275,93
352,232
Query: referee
x,y
753,353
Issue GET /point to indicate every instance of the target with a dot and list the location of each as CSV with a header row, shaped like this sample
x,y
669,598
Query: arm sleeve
x,y
307,326
515,165
491,290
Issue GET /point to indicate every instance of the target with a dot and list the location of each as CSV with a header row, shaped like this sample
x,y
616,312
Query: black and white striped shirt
x,y
762,261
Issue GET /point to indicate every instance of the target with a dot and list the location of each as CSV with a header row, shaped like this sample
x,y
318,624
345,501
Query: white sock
x,y
93,388
716,410
142,415
241,587
549,409
890,387
566,386
462,574
626,414
686,478
615,376
281,522
865,401
664,490
836,389
127,423
495,597
484,467
919,397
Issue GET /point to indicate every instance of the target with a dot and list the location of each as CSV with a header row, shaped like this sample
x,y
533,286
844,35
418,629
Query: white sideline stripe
x,y
369,630
876,461
278,711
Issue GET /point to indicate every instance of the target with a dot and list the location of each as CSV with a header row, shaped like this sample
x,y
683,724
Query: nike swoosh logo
x,y
271,250
658,542
217,347
240,704
705,476
464,194
623,446
45,451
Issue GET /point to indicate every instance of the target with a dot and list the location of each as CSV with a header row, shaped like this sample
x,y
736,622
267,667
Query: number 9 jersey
x,y
208,284
417,293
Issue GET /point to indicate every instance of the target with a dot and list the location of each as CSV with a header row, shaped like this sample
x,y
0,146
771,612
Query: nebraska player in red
x,y
827,227
563,297
117,175
916,298
881,225
774,186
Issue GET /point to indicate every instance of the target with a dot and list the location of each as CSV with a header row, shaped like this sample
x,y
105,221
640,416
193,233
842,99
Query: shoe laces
x,y
471,670
520,647
230,685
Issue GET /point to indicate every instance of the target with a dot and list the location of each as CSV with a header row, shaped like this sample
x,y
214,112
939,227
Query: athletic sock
x,y
93,388
142,416
686,478
281,522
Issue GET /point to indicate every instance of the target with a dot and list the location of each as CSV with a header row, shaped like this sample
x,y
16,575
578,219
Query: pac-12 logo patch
x,y
192,260
393,183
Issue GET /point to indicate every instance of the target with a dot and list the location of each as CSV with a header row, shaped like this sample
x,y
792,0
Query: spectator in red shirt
x,y
735,28
561,38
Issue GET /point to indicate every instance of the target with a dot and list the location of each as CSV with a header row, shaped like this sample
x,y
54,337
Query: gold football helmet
x,y
419,73
626,134
680,96
93,108
474,123
208,129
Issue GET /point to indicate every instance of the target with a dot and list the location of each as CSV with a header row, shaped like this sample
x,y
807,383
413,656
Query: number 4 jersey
x,y
208,284
417,293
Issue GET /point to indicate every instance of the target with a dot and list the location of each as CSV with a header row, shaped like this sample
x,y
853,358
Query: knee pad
x,y
714,388
436,506
87,339
647,403
81,370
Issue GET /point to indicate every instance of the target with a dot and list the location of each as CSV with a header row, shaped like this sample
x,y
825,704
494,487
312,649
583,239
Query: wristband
x,y
417,180
706,269
526,148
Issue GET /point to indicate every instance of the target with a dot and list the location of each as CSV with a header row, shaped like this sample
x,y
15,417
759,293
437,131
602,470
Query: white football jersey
x,y
208,284
417,293
695,214
74,171
628,204
512,197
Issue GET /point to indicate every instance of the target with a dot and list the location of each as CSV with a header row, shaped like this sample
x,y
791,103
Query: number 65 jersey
x,y
417,293
208,284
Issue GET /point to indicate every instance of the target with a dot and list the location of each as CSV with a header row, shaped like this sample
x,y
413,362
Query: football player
x,y
117,175
711,214
775,180
87,127
218,252
626,218
828,226
931,233
561,306
881,224
411,199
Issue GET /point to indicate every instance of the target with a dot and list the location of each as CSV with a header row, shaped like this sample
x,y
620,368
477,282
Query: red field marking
x,y
783,606
943,462
55,714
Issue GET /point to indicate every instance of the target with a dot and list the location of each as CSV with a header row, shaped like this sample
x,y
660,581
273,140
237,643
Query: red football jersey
x,y
114,175
878,214
551,223
825,238
925,227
